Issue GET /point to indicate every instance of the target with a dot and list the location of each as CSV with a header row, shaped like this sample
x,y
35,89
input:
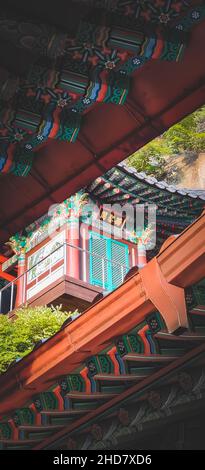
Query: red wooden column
x,y
20,284
73,254
142,256
3,274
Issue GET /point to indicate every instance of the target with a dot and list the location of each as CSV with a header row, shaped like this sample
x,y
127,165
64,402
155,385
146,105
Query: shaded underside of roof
x,y
159,92
83,395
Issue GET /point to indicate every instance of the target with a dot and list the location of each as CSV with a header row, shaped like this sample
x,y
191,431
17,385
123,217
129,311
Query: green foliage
x,y
150,158
18,337
185,136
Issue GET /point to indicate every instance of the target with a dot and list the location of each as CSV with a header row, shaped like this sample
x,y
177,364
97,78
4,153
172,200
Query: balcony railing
x,y
53,266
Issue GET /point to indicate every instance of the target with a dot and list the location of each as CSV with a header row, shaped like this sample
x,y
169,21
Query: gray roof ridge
x,y
161,183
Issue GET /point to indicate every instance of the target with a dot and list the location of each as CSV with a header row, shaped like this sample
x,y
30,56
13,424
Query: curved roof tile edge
x,y
161,183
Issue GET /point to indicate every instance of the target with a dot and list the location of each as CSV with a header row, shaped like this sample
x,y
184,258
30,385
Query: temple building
x,y
119,376
87,245
132,360
91,83
83,86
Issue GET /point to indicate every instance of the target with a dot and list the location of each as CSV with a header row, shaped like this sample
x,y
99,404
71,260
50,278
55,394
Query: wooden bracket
x,y
168,299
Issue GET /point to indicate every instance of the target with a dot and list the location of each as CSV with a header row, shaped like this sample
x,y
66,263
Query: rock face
x,y
186,171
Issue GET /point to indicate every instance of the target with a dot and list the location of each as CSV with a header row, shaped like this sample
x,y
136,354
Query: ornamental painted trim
x,y
66,213
10,262
82,381
93,67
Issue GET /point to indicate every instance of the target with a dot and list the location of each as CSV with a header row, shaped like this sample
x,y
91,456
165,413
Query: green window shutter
x,y
110,272
98,246
119,254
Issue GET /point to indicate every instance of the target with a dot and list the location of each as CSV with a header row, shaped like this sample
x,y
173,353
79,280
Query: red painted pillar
x,y
21,287
73,254
142,257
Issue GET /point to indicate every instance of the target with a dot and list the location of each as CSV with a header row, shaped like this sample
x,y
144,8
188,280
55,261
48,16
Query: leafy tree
x,y
18,337
150,158
187,135
184,137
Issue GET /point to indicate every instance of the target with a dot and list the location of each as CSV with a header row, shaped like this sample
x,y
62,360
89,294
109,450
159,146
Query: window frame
x,y
109,241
